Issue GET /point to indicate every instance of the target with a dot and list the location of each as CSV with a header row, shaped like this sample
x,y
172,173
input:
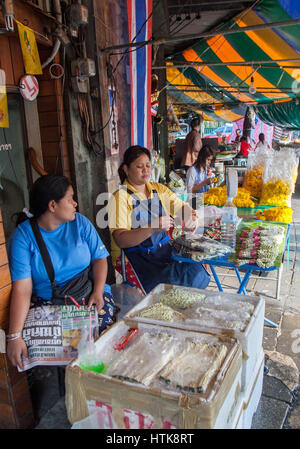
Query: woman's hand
x,y
165,223
15,349
190,222
97,299
210,180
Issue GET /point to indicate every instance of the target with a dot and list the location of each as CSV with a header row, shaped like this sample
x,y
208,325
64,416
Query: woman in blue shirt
x,y
73,245
198,177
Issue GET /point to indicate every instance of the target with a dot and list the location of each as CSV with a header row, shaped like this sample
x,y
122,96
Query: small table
x,y
223,262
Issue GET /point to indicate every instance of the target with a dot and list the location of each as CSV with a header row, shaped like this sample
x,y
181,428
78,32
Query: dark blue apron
x,y
151,259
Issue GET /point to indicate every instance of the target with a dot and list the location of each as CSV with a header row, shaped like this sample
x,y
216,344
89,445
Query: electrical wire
x,y
184,26
85,119
114,94
138,33
176,14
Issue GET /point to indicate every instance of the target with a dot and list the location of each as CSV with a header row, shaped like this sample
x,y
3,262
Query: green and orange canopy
x,y
270,58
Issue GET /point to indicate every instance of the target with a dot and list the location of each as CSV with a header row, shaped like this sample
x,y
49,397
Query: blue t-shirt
x,y
72,247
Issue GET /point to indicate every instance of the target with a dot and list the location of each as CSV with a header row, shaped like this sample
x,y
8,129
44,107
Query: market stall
x,y
174,361
271,257
264,209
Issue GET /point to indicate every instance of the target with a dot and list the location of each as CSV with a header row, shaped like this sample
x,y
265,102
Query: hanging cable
x,y
142,45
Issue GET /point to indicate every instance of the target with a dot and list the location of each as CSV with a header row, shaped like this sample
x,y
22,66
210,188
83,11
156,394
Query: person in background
x,y
193,145
140,215
198,177
73,245
237,136
244,148
262,142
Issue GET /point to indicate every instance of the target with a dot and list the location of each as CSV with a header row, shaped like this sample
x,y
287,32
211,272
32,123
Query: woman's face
x,y
209,161
65,209
139,171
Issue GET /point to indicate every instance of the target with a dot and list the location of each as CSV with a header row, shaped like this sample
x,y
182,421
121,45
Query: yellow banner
x,y
30,52
4,122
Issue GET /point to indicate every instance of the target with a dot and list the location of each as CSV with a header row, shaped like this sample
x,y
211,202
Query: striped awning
x,y
221,68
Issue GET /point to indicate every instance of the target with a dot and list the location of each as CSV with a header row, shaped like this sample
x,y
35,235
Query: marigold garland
x,y
217,196
282,214
253,181
275,193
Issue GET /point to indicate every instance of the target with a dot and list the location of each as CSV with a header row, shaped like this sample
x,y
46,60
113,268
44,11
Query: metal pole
x,y
263,26
226,90
233,63
229,88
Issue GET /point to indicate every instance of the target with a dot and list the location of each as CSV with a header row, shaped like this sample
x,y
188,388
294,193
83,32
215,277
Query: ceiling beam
x,y
263,26
213,2
188,88
209,7
263,64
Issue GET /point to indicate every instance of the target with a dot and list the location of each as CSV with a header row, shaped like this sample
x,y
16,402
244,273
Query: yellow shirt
x,y
120,208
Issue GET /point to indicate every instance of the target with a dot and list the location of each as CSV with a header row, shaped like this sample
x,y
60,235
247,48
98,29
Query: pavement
x,y
279,406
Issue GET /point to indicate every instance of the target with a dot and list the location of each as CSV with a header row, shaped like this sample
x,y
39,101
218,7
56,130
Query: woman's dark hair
x,y
195,122
130,155
261,137
205,152
243,139
45,189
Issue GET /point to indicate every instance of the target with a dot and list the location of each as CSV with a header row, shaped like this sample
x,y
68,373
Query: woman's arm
x,y
19,307
193,186
99,268
128,238
199,186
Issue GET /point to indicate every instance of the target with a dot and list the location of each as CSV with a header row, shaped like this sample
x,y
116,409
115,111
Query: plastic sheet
x,y
193,308
125,297
199,248
165,359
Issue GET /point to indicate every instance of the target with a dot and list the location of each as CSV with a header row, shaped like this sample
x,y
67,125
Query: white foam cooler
x,y
249,399
251,337
126,404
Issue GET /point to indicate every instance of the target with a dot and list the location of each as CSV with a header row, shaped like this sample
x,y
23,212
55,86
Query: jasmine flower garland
x,y
260,245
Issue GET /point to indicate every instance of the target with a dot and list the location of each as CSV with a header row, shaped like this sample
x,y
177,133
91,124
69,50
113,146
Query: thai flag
x,y
140,71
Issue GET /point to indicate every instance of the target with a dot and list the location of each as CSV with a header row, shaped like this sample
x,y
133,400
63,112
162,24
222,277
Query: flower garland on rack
x,y
260,246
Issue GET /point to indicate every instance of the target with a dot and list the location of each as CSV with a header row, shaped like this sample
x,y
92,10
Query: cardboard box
x,y
155,407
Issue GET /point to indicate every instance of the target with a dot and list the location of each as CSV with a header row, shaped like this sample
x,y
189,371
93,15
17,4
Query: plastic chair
x,y
129,276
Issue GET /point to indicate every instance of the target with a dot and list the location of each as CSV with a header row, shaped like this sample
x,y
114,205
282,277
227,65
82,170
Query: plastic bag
x,y
279,178
97,420
87,354
255,169
281,166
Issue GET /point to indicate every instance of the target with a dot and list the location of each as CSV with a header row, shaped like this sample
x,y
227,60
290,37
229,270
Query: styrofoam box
x,y
251,338
249,399
213,408
252,395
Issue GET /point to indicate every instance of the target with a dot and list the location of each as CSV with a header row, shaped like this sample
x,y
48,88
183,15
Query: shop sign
x,y
29,87
5,147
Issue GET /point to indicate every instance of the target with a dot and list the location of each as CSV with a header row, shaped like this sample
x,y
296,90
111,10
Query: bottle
x,y
229,224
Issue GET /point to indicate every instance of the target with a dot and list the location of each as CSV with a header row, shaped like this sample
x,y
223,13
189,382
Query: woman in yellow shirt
x,y
140,215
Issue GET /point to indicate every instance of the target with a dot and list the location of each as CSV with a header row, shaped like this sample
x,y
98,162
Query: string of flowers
x,y
259,245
